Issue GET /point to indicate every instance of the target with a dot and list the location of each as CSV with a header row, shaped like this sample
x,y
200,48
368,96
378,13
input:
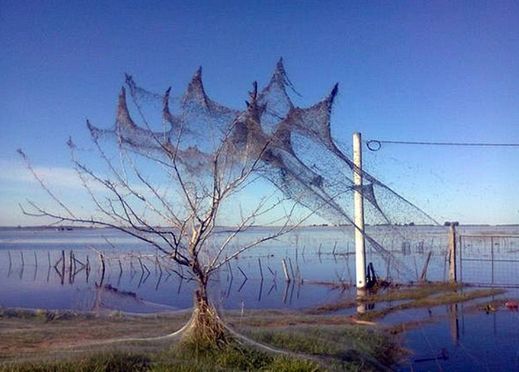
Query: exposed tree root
x,y
205,328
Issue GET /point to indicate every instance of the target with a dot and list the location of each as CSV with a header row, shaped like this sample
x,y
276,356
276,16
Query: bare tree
x,y
204,157
202,171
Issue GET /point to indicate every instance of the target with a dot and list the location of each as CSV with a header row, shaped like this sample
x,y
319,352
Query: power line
x,y
375,145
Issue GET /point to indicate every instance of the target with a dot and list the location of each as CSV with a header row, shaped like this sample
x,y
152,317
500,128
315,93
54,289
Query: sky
x,y
407,71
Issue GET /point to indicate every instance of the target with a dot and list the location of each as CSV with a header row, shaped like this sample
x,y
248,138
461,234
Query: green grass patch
x,y
398,293
115,362
345,347
422,295
233,356
333,307
410,293
30,342
436,300
46,315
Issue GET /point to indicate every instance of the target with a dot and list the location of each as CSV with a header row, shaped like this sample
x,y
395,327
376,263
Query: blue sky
x,y
430,71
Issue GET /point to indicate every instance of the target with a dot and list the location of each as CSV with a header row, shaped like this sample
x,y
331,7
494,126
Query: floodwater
x,y
31,278
137,279
464,339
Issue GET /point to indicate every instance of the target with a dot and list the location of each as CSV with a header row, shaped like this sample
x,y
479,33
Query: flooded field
x,y
461,338
45,268
31,266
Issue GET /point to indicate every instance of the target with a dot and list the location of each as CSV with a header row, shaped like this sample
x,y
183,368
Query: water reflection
x,y
464,338
452,311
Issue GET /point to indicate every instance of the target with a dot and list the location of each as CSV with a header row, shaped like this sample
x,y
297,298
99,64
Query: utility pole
x,y
360,250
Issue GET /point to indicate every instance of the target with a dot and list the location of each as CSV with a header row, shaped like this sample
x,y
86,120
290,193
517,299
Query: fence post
x,y
360,251
285,270
492,256
423,276
452,252
460,248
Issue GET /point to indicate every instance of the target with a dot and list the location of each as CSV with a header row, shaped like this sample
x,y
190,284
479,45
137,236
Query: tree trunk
x,y
206,327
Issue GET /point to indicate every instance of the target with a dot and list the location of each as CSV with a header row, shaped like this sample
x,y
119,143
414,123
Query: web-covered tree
x,y
168,186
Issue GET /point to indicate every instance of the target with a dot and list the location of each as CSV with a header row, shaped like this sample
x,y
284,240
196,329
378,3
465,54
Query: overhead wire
x,y
375,145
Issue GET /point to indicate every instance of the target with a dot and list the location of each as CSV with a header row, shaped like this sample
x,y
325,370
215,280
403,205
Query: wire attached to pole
x,y
375,145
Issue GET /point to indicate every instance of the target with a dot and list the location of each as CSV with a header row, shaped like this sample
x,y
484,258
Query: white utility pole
x,y
360,250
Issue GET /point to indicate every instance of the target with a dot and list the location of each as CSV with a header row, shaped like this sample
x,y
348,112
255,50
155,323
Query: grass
x,y
411,293
422,295
25,332
232,356
398,293
430,301
99,362
280,318
44,340
42,314
345,347
35,341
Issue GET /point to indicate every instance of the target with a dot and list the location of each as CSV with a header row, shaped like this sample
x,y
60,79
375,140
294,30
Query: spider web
x,y
294,144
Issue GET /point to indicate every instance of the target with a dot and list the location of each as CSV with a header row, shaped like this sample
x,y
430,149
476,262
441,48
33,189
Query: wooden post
x,y
423,276
460,248
492,256
70,268
360,250
291,269
63,263
260,268
101,257
452,252
87,270
285,270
